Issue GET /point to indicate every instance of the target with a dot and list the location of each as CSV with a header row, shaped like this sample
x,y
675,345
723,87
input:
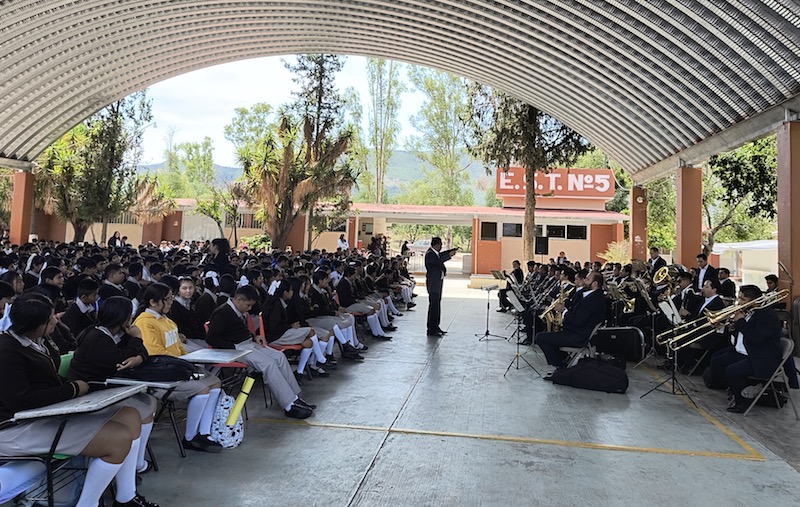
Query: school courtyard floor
x,y
435,422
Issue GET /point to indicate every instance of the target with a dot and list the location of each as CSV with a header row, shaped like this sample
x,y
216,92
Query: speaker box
x,y
541,245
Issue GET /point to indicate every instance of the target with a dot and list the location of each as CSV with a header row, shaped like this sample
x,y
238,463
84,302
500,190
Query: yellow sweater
x,y
160,335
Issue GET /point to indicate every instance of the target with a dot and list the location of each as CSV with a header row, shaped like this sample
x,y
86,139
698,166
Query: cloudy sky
x,y
201,103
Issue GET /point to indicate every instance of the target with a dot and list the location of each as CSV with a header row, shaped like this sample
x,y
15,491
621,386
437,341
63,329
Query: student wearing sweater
x,y
161,337
111,346
29,379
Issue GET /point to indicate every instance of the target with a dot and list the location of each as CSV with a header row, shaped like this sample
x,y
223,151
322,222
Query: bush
x,y
258,243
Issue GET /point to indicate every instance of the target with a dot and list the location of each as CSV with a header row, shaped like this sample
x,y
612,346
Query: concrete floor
x,y
434,422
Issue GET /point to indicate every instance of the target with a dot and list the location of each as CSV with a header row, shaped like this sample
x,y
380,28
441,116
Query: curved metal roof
x,y
644,81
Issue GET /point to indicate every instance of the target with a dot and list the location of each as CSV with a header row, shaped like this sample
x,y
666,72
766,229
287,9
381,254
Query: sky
x,y
201,103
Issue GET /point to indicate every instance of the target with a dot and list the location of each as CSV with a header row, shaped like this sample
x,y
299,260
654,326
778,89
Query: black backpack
x,y
594,374
160,369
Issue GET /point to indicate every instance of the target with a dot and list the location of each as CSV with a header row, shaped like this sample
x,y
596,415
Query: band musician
x,y
655,262
578,322
755,350
516,276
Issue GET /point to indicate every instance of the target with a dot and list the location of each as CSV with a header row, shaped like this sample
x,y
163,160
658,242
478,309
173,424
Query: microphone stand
x,y
486,335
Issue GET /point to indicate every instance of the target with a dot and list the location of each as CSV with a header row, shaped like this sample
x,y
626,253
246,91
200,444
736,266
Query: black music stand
x,y
672,378
486,335
521,315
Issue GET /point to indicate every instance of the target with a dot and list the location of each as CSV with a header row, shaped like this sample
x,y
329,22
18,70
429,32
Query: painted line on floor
x,y
754,456
713,420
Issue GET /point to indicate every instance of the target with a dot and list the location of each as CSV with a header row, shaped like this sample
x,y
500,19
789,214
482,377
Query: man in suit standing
x,y
435,269
588,310
705,271
655,262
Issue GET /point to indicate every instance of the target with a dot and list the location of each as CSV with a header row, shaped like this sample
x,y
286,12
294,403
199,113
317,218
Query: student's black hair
x,y
10,277
87,286
49,273
48,289
318,276
135,269
29,312
227,283
248,292
154,292
114,311
349,271
6,290
284,286
111,268
157,268
172,282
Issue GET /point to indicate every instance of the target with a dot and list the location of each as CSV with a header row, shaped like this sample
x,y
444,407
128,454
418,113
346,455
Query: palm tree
x,y
288,176
152,204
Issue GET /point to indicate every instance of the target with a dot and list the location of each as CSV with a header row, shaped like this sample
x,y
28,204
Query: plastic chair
x,y
787,347
66,361
237,366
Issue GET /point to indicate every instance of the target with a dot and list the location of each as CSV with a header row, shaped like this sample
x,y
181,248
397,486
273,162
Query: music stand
x,y
671,377
520,315
486,335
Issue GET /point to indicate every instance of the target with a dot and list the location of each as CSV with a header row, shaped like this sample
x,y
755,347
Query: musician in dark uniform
x,y
435,269
518,277
579,322
727,287
705,271
756,349
655,262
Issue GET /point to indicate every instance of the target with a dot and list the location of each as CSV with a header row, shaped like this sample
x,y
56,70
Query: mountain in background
x,y
404,167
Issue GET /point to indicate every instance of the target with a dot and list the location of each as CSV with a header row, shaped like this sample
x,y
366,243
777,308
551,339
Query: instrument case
x,y
627,342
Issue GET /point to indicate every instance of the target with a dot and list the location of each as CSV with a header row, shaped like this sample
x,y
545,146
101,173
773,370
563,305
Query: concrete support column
x,y
22,207
638,228
689,216
789,206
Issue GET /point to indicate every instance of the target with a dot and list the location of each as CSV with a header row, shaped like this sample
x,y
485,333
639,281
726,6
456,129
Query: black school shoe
x,y
137,501
298,412
201,443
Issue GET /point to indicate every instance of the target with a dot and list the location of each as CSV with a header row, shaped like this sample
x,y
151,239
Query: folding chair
x,y
586,350
787,347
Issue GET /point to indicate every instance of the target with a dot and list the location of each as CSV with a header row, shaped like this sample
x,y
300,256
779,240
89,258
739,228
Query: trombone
x,y
716,318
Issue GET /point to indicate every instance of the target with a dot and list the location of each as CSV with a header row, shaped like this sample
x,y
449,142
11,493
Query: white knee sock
x,y
194,412
374,325
301,364
126,476
337,332
143,439
382,315
317,350
98,477
208,412
328,346
390,306
406,294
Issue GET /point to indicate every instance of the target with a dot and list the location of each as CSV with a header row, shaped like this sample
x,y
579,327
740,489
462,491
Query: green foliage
x,y
619,251
491,199
249,124
385,89
661,201
595,158
461,234
6,190
188,169
260,243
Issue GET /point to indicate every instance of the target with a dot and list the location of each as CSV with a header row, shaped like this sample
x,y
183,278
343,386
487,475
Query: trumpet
x,y
715,319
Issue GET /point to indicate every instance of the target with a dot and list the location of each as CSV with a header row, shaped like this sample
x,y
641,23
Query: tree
x,y
740,191
441,141
502,131
385,88
6,192
249,125
154,202
661,213
112,155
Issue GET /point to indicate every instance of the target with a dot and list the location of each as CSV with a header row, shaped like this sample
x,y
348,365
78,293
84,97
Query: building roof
x,y
655,84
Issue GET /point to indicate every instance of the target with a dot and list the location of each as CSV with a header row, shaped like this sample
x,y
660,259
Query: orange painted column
x,y
789,207
476,231
22,207
689,216
638,223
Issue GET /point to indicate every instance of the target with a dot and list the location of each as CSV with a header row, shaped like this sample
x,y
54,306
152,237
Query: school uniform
x,y
79,316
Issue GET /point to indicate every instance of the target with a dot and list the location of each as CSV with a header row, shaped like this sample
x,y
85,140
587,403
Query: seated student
x,y
81,314
298,308
348,299
29,379
113,279
325,311
133,281
756,350
111,346
52,281
88,269
579,321
228,330
227,286
34,267
182,311
6,293
207,302
280,330
160,336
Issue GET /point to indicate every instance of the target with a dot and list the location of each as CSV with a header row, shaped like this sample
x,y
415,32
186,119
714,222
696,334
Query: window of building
x,y
556,231
512,230
576,232
488,231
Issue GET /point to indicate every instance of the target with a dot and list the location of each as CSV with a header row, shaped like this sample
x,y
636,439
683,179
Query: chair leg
x,y
789,395
698,363
174,421
152,456
758,397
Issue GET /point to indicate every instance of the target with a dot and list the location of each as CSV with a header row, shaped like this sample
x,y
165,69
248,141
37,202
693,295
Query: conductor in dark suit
x,y
756,350
435,270
588,310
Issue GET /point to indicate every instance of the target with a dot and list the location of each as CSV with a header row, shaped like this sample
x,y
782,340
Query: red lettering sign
x,y
597,183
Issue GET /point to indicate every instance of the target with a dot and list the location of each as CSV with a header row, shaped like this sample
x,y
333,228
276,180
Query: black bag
x,y
594,374
768,398
627,342
619,362
160,369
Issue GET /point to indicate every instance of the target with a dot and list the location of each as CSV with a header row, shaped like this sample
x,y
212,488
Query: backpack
x,y
593,374
160,369
227,436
